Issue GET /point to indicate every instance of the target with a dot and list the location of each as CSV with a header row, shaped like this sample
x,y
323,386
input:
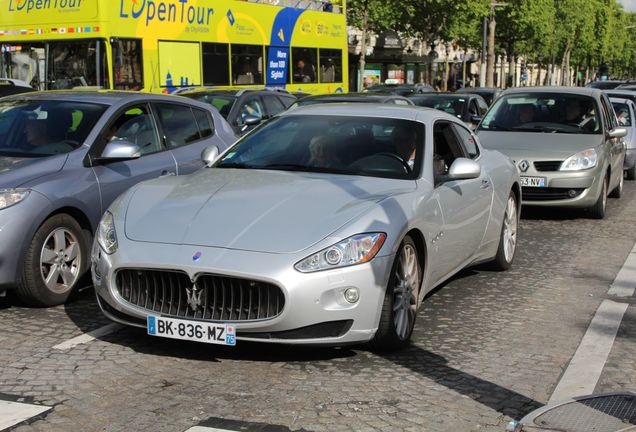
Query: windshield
x,y
378,147
223,104
56,65
450,104
622,113
34,128
543,112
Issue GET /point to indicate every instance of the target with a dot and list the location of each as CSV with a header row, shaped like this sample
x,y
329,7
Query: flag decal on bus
x,y
230,17
281,35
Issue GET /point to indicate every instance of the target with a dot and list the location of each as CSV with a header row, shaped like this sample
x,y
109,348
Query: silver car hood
x,y
17,171
255,210
538,146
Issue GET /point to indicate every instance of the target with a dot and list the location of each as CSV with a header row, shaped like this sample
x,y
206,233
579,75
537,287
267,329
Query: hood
x,y
255,210
538,145
18,171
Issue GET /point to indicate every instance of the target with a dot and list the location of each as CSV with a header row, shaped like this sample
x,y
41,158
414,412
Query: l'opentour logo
x,y
27,6
172,11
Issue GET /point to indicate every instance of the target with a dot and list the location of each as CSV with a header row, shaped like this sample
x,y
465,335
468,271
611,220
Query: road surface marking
x,y
87,337
13,413
625,282
586,366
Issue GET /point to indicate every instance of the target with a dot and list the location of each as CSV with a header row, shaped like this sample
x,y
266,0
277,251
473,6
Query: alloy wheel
x,y
511,222
60,260
405,291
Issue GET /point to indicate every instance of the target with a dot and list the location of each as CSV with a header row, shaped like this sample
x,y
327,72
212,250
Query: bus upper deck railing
x,y
316,5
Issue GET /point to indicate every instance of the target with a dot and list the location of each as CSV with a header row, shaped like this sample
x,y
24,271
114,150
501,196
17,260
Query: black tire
x,y
501,261
597,211
618,190
386,337
32,288
631,173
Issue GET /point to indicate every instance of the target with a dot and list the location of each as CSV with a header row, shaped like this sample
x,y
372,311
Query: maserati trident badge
x,y
194,297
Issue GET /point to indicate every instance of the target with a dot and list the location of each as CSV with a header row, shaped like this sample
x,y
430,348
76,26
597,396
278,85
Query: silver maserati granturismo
x,y
326,225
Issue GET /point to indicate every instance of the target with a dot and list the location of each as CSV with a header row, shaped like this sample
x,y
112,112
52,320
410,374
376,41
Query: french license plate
x,y
173,328
533,181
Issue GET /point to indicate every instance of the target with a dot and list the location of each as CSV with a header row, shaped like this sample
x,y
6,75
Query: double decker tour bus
x,y
165,45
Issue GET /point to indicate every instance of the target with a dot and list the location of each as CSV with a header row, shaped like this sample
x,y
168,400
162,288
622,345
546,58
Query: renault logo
x,y
524,165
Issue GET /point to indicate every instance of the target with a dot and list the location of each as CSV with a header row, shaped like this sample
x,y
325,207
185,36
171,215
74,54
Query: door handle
x,y
485,184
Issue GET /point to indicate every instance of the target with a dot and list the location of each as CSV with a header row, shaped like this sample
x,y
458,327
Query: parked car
x,y
489,94
336,221
374,98
606,84
621,94
65,156
401,89
10,87
469,108
565,141
625,111
243,109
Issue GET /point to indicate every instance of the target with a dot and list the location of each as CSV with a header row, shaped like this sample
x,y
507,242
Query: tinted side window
x,y
203,121
445,148
178,124
613,122
273,105
483,107
467,141
287,100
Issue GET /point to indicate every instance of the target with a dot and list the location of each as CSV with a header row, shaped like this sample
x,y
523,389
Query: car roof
x,y
620,100
108,97
583,91
629,93
405,112
344,97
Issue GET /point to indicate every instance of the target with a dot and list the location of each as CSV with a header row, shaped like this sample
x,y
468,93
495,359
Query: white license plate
x,y
533,181
198,331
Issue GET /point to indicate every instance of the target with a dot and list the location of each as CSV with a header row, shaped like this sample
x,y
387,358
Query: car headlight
x,y
358,249
581,161
10,197
106,236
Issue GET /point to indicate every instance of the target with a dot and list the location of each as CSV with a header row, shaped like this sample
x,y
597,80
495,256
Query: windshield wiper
x,y
235,165
549,129
305,168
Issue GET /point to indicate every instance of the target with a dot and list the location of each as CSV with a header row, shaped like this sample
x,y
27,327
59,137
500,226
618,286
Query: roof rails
x,y
249,89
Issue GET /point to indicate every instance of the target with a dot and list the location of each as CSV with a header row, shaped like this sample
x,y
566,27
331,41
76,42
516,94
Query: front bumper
x,y
18,224
313,302
585,185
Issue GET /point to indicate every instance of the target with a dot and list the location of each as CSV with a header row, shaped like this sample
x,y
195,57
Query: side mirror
x,y
251,120
464,169
209,155
120,150
617,133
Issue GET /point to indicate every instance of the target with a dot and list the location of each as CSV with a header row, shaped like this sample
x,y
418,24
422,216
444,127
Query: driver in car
x,y
404,140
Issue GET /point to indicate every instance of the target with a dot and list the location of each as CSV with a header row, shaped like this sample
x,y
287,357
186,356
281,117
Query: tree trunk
x,y
538,81
502,74
490,65
363,49
565,66
512,68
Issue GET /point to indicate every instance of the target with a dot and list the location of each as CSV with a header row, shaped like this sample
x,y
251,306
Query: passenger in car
x,y
322,152
404,140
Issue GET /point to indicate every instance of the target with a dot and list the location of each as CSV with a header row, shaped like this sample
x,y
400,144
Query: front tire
x,y
508,238
55,261
597,211
399,308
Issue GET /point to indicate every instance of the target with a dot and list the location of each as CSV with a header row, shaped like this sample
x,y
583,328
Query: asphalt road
x,y
487,347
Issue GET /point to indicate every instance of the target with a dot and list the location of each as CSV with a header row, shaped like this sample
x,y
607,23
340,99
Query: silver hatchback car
x,y
65,156
566,143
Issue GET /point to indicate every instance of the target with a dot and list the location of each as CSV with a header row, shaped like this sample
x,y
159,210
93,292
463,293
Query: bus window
x,y
24,62
305,61
128,72
216,64
247,64
174,72
330,65
79,63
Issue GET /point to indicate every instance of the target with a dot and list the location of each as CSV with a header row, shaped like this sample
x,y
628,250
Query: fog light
x,y
571,193
352,295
